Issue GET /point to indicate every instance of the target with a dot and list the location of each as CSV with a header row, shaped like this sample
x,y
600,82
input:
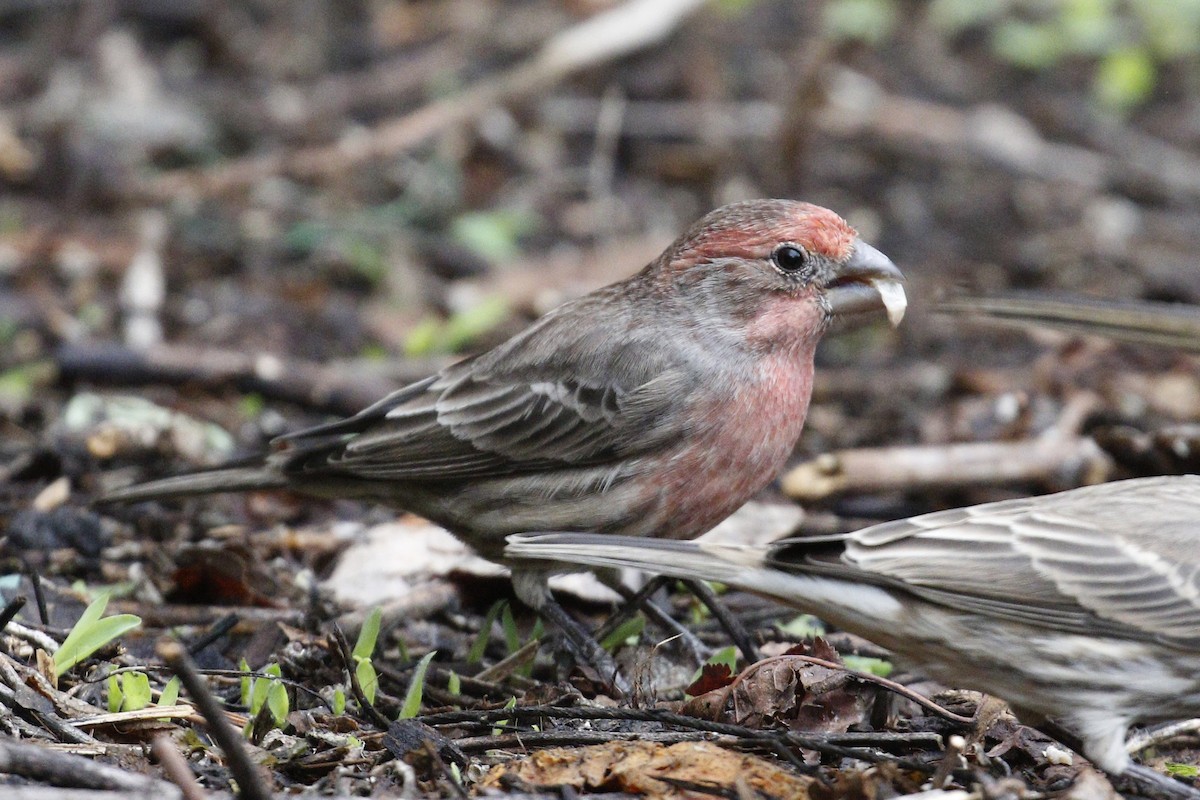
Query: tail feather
x,y
236,479
679,559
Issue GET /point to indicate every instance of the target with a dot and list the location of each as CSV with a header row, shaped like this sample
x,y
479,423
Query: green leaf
x,y
870,21
115,695
91,633
366,258
339,702
726,656
954,16
367,679
475,655
1090,26
136,686
466,326
262,688
416,688
626,633
247,682
424,338
454,684
1125,79
873,666
368,635
512,636
277,702
1028,44
504,723
170,693
492,234
805,626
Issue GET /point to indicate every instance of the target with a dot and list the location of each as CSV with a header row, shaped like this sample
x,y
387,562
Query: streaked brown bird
x,y
1081,608
652,407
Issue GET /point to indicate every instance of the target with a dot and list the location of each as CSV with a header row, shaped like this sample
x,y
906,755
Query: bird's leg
x,y
732,625
737,632
641,599
584,647
531,587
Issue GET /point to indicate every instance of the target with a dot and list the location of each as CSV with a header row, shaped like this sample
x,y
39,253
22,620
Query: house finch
x,y
1081,607
652,407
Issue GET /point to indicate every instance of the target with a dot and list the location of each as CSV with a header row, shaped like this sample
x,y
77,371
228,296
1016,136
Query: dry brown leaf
x,y
640,767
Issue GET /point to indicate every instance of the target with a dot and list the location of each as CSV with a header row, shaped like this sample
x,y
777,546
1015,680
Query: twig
x,y
951,760
64,769
1150,738
436,757
1058,457
42,704
505,667
631,26
39,596
11,610
340,388
815,742
218,629
176,767
244,771
342,648
577,738
35,637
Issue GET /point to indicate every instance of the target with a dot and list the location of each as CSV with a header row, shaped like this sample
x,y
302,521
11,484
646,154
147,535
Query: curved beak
x,y
868,281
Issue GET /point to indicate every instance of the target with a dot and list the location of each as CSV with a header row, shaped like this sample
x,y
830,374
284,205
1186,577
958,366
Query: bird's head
x,y
781,270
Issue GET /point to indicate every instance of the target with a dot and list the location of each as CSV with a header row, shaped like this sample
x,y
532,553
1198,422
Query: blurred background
x,y
220,221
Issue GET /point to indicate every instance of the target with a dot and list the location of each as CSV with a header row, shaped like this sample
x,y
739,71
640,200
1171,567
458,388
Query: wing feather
x,y
1121,557
514,410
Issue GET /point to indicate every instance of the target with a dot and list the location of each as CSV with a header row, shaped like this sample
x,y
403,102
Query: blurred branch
x,y
632,26
1142,321
1059,458
340,388
981,135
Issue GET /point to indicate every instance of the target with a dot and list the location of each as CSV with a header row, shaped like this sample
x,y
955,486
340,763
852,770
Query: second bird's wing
x,y
1121,556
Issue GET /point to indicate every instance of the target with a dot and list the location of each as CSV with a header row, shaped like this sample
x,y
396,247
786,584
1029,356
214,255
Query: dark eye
x,y
788,257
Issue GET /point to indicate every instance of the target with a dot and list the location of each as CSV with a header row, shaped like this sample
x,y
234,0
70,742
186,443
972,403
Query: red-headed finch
x,y
1081,607
652,407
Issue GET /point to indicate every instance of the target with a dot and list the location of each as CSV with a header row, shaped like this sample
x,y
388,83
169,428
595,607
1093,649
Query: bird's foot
x,y
584,648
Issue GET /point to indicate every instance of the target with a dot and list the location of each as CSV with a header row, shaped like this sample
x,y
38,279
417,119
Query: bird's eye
x,y
789,257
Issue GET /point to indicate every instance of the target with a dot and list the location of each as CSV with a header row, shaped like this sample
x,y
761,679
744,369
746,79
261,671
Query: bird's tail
x,y
678,559
232,479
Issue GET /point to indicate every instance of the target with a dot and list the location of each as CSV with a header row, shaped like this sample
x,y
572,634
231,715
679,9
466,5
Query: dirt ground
x,y
220,222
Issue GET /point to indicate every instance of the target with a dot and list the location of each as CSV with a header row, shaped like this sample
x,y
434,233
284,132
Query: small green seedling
x,y
416,688
872,666
627,633
364,670
265,690
475,655
170,693
91,633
